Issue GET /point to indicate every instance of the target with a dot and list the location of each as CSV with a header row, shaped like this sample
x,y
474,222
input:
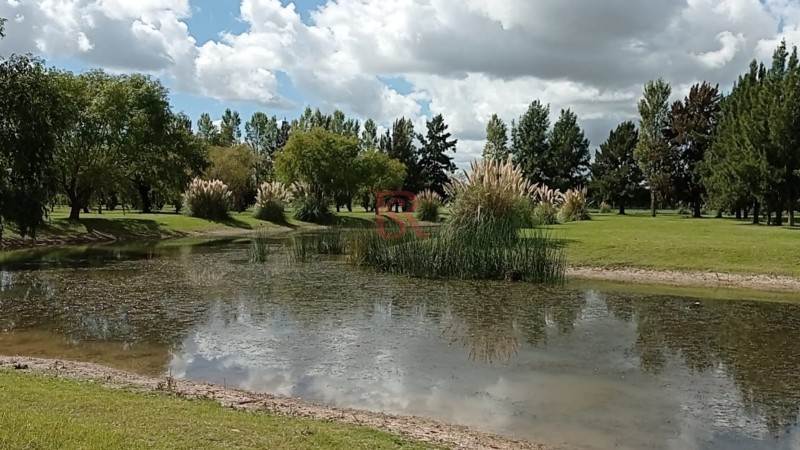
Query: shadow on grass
x,y
353,222
234,223
114,226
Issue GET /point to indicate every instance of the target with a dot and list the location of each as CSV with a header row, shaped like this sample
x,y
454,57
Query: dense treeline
x,y
100,141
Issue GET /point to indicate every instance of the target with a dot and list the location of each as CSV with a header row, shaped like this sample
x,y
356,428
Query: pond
x,y
585,366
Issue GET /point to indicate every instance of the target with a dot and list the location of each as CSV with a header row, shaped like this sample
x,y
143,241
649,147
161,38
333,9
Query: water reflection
x,y
581,367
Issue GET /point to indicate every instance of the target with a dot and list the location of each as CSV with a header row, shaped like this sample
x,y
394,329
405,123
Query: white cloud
x,y
466,59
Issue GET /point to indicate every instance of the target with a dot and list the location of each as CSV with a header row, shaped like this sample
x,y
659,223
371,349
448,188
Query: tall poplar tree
x,y
653,152
496,147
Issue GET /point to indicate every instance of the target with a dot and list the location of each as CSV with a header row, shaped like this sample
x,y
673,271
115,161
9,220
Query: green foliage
x,y
261,134
529,143
426,206
545,213
615,173
568,162
574,208
308,208
32,119
207,131
235,166
304,247
496,139
323,161
378,172
369,137
485,252
398,143
435,165
693,124
230,132
653,152
208,199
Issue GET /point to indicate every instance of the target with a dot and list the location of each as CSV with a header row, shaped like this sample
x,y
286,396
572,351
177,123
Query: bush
x,y
545,214
426,206
271,200
492,193
605,208
208,199
308,208
574,207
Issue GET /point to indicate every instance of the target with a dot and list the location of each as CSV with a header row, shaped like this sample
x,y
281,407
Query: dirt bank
x,y
419,429
689,278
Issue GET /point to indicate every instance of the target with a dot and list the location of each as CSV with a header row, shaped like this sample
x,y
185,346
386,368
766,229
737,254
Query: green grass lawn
x,y
673,242
43,412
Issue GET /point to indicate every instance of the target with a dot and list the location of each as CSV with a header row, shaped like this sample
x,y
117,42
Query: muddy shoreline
x,y
687,278
416,428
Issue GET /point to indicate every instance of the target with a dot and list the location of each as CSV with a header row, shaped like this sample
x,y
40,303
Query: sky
x,y
383,59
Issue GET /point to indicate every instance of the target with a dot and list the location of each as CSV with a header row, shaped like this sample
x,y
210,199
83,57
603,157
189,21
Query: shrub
x,y
545,214
427,205
207,199
543,194
308,208
494,193
574,207
605,208
271,200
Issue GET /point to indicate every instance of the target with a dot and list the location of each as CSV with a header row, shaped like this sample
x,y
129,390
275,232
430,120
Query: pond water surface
x,y
583,367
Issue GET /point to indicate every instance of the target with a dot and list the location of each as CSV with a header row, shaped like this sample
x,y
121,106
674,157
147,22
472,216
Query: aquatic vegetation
x,y
574,207
208,199
304,247
271,200
426,206
259,246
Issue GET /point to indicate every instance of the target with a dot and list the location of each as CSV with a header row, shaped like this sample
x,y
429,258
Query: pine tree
x,y
369,137
692,129
496,147
399,144
435,165
615,174
230,131
568,153
529,142
207,131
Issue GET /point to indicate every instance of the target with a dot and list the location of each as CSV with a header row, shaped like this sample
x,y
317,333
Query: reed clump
x,y
259,246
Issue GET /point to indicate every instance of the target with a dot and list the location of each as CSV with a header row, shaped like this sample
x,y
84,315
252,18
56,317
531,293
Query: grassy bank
x,y
44,412
673,242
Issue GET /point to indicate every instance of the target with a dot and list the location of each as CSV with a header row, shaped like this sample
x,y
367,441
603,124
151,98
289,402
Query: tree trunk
x,y
144,194
719,214
86,208
621,209
756,213
791,216
698,210
738,214
778,217
75,211
653,202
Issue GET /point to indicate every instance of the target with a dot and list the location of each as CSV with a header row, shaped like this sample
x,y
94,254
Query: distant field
x,y
673,242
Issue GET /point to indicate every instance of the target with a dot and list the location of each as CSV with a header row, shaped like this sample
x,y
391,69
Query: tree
x,y
568,153
692,128
653,150
735,175
323,160
615,173
369,137
378,172
31,120
435,165
207,130
529,144
261,134
235,167
398,143
230,129
496,147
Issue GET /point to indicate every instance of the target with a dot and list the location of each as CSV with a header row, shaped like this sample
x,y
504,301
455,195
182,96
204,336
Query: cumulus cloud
x,y
466,59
